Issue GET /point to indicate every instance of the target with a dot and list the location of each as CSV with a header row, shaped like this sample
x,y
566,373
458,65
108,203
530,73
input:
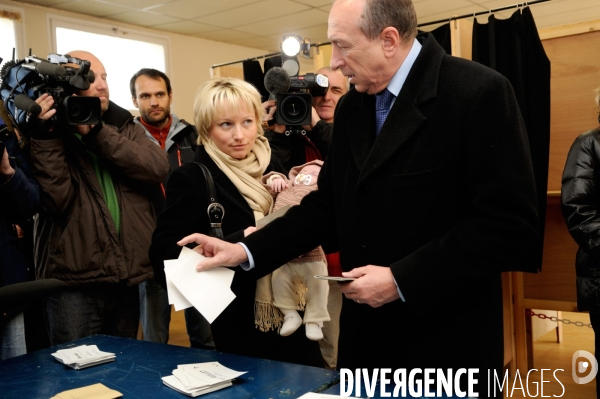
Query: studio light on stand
x,y
292,45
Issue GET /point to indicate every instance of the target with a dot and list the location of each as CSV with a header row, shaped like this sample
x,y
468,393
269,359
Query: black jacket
x,y
580,198
19,200
184,214
444,197
290,150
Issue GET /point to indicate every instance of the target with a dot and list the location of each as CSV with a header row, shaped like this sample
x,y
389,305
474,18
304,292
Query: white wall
x,y
190,57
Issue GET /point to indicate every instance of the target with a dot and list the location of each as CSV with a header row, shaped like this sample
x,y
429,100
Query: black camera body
x,y
24,81
293,95
294,108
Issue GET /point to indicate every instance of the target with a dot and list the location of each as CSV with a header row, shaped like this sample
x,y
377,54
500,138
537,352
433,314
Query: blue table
x,y
139,366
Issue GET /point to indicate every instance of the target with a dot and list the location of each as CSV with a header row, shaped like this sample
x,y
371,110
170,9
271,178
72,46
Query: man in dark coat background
x,y
426,212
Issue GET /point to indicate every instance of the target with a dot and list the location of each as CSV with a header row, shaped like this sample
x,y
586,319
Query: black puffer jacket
x,y
580,199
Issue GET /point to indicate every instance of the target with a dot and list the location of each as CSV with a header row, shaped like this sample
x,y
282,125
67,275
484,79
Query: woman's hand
x,y
249,231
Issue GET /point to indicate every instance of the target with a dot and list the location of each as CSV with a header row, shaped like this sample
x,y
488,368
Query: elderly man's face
x,y
338,86
359,58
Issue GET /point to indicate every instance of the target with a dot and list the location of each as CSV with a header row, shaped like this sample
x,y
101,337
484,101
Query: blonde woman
x,y
227,114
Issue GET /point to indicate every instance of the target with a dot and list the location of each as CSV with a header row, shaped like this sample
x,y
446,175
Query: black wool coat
x,y
444,196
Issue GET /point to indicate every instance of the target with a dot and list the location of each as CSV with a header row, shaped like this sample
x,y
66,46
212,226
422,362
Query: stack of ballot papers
x,y
83,356
209,291
200,378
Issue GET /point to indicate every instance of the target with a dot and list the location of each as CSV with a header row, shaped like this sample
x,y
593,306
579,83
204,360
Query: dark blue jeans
x,y
198,329
155,312
81,311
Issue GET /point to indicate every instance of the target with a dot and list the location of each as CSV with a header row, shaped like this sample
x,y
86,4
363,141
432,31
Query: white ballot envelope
x,y
208,291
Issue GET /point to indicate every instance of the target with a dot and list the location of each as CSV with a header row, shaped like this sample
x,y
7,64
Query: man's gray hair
x,y
380,14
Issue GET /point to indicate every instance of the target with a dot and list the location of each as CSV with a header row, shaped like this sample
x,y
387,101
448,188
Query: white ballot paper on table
x,y
83,356
200,378
208,291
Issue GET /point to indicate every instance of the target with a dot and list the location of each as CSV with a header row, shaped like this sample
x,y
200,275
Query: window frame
x,y
113,30
20,52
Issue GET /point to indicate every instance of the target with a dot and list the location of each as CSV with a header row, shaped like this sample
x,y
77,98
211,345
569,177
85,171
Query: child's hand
x,y
278,185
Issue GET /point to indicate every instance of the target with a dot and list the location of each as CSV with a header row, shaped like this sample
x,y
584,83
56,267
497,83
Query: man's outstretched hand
x,y
217,252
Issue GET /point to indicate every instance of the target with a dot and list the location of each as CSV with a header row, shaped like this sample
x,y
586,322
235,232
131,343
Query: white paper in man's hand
x,y
176,298
208,291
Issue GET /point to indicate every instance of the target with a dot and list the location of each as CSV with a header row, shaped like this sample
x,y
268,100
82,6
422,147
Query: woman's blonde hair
x,y
597,91
212,94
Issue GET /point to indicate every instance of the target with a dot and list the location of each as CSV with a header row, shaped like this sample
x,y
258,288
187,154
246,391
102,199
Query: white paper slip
x,y
173,383
83,356
208,373
176,298
209,291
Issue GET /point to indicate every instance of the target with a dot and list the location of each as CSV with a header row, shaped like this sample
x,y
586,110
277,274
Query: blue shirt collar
x,y
399,78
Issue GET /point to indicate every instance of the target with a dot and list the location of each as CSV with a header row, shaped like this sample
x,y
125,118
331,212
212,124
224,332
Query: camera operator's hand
x,y
5,169
46,102
270,107
313,120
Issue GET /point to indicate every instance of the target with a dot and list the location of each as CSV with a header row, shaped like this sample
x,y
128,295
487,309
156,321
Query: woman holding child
x,y
227,114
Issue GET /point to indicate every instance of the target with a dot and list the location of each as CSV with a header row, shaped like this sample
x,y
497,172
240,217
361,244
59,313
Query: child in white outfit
x,y
294,286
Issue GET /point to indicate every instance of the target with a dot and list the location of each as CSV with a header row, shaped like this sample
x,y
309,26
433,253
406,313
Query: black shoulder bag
x,y
215,211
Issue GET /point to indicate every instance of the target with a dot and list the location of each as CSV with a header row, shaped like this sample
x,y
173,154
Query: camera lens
x,y
78,112
82,110
293,109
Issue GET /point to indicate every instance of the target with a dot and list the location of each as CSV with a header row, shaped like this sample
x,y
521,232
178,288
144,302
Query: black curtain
x,y
253,73
443,36
513,48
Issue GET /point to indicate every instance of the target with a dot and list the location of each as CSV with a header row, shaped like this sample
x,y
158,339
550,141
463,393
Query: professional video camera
x,y
293,95
26,80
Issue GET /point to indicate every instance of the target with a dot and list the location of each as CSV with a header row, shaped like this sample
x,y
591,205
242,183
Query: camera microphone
x,y
47,68
27,104
277,81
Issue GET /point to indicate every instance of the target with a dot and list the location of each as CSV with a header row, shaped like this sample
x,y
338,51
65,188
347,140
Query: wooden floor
x,y
548,354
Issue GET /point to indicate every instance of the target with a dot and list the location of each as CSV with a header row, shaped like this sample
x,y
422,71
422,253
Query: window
x,y
10,32
122,52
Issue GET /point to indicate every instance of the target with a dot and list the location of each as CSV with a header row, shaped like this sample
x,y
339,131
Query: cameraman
x,y
297,149
19,199
96,220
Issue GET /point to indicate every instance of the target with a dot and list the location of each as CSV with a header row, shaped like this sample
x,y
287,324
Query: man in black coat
x,y
426,212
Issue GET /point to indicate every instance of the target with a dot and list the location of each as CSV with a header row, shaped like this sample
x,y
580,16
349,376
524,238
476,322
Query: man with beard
x,y
152,95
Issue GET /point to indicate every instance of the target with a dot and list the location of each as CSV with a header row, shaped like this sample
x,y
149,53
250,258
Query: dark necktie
x,y
383,101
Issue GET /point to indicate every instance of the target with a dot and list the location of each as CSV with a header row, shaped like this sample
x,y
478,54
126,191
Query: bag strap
x,y
215,211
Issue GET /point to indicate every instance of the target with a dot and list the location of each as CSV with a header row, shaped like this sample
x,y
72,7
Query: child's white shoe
x,y
313,331
291,322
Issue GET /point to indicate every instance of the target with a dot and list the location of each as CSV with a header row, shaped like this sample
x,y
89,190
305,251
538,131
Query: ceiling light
x,y
291,45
